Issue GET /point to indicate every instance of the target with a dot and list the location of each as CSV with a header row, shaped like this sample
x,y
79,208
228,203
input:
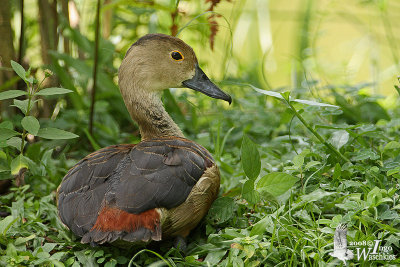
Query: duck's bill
x,y
200,82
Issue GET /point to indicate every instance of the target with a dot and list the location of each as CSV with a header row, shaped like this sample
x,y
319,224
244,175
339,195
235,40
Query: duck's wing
x,y
119,197
82,190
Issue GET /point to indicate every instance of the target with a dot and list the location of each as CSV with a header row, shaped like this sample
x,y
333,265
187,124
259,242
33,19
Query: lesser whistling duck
x,y
161,187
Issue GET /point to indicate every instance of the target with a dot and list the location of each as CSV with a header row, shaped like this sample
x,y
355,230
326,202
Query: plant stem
x,y
96,54
315,133
28,109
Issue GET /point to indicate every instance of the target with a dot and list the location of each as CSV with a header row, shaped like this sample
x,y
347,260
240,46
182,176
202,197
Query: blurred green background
x,y
277,43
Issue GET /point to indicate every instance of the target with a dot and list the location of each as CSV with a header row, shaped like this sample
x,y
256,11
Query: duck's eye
x,y
176,55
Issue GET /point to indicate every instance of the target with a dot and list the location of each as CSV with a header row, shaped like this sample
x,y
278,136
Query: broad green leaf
x,y
249,193
15,142
251,162
221,210
389,215
19,70
53,91
7,133
393,171
47,247
7,124
3,168
286,95
3,143
11,94
339,138
276,183
337,172
43,255
249,250
349,205
391,145
31,124
54,133
18,163
311,164
5,174
298,160
22,105
264,225
23,240
315,196
98,253
6,223
215,256
365,154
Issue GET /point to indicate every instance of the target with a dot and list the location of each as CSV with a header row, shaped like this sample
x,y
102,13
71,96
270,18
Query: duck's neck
x,y
149,113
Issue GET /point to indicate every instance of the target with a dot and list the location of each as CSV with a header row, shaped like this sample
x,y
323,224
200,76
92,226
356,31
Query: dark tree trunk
x,y
7,52
48,22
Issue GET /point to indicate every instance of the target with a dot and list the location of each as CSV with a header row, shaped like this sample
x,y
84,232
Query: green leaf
x,y
391,145
22,240
6,223
54,133
19,70
4,169
31,124
121,259
276,183
251,162
98,253
7,124
364,154
393,171
18,163
7,133
268,93
221,210
339,138
266,224
53,91
48,247
11,94
313,103
315,196
286,95
22,105
214,256
15,142
298,161
249,193
337,172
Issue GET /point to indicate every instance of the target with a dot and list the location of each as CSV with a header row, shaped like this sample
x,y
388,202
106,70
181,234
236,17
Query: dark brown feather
x,y
157,173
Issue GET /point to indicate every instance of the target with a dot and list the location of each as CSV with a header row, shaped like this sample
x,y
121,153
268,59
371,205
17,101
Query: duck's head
x,y
157,62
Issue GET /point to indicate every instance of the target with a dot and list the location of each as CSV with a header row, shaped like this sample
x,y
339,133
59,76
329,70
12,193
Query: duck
x,y
161,187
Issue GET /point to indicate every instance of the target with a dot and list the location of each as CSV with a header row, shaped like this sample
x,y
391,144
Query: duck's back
x,y
126,191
